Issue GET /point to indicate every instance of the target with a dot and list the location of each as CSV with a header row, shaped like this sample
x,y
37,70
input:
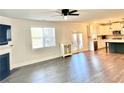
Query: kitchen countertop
x,y
115,41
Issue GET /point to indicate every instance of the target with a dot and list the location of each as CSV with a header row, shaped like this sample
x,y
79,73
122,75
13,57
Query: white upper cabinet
x,y
116,26
104,30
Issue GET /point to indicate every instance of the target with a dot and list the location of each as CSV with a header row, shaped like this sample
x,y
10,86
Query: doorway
x,y
77,42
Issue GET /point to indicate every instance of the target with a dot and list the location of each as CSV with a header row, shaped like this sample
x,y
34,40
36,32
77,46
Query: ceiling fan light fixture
x,y
65,17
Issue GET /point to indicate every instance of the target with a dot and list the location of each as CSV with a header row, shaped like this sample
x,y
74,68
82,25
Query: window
x,y
43,37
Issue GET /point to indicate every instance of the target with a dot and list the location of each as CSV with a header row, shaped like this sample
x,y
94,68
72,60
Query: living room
x,y
86,36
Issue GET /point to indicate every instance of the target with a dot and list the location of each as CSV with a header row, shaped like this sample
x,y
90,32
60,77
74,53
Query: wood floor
x,y
86,67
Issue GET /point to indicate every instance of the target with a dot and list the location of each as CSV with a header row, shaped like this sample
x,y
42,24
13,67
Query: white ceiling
x,y
52,15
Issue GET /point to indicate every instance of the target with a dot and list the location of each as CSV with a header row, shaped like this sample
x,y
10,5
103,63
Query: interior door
x,y
80,41
74,43
77,42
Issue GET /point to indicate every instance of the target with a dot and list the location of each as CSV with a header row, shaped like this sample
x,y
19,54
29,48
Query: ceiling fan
x,y
68,12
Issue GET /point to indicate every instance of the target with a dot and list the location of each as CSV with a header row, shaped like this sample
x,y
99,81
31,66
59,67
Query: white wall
x,y
21,37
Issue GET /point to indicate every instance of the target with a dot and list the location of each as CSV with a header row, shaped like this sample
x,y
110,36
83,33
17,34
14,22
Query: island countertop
x,y
115,46
115,41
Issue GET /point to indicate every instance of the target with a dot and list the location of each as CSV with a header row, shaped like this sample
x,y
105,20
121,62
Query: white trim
x,y
4,51
20,64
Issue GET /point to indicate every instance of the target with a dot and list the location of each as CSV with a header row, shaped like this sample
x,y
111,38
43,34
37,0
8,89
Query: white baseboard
x,y
20,64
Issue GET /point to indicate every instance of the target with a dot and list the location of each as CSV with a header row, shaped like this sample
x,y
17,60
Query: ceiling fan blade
x,y
74,14
73,11
59,12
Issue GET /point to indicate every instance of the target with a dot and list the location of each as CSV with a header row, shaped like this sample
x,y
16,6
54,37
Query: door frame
x,y
78,49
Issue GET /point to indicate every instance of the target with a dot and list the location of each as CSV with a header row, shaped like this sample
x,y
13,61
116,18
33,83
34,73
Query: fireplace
x,y
4,66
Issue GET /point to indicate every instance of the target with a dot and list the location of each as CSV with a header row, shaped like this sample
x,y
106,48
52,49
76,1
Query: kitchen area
x,y
109,36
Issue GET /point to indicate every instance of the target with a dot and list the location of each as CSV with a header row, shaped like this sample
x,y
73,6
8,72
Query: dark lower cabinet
x,y
95,46
4,66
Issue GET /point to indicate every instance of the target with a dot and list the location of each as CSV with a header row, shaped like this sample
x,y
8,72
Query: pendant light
x,y
123,24
110,25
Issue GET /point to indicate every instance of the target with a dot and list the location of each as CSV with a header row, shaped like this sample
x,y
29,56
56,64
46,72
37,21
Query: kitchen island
x,y
115,46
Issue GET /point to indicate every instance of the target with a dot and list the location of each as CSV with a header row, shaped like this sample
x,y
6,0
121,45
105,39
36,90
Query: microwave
x,y
117,32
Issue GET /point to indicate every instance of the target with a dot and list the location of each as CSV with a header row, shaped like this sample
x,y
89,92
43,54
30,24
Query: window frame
x,y
43,38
